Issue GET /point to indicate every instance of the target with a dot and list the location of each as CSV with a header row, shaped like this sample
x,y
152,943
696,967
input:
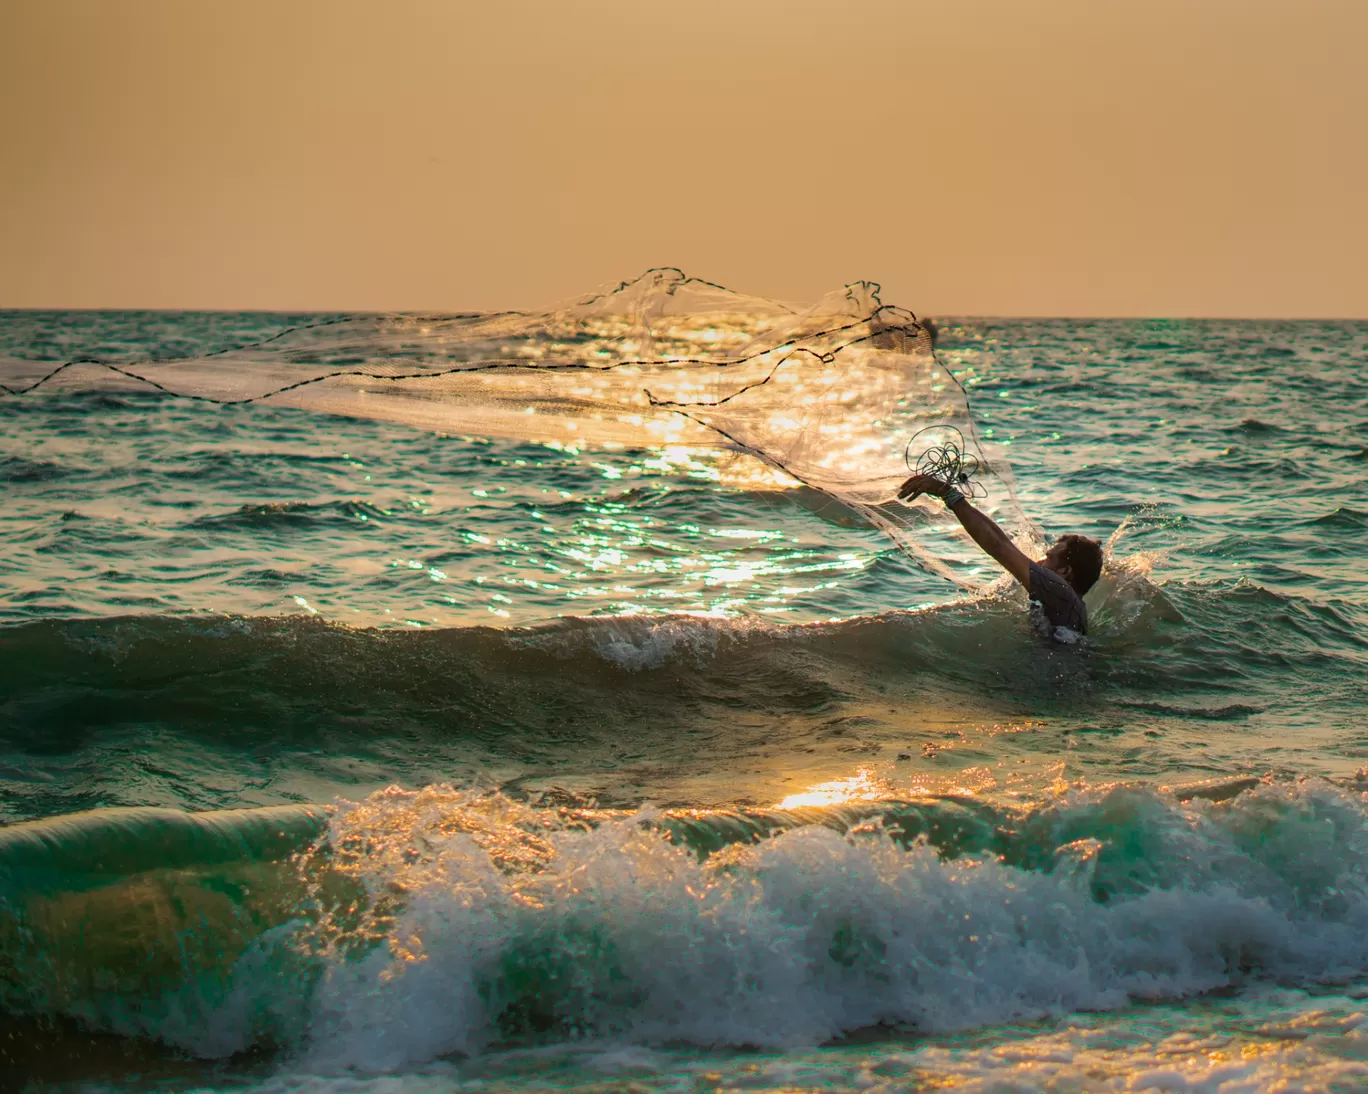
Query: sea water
x,y
369,758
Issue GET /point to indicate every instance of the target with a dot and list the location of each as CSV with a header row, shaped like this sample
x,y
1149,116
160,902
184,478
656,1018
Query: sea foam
x,y
439,924
509,929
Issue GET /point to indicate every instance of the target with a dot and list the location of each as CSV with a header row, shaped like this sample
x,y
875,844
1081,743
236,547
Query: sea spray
x,y
435,922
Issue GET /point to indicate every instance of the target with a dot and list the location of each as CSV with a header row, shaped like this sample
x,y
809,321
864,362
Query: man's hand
x,y
921,484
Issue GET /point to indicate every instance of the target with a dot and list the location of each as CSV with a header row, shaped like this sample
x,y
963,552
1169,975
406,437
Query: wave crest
x,y
436,922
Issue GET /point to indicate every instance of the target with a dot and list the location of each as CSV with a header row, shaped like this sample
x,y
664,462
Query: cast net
x,y
827,396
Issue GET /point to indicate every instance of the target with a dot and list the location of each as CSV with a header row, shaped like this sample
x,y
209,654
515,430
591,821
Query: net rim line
x,y
506,365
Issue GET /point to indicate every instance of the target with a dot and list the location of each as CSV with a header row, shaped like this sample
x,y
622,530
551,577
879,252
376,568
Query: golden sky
x,y
1010,157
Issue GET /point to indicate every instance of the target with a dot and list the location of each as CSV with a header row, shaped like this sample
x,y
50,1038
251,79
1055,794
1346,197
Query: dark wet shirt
x,y
1055,604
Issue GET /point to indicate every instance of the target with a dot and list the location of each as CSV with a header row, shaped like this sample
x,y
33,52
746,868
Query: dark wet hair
x,y
1083,557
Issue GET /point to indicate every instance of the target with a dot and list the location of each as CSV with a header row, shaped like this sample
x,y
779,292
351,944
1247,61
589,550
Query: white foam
x,y
811,934
641,642
614,935
638,644
1264,1041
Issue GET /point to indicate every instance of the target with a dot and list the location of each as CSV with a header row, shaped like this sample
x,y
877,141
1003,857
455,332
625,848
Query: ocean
x,y
367,739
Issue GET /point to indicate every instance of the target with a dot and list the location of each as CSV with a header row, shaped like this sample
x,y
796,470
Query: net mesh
x,y
827,396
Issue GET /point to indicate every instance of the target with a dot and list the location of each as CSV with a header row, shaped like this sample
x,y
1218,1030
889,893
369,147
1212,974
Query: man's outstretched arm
x,y
982,529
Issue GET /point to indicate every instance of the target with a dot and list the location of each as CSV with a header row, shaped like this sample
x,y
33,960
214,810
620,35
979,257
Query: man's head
x,y
1077,559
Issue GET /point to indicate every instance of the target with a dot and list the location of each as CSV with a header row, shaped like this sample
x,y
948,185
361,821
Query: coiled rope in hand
x,y
946,460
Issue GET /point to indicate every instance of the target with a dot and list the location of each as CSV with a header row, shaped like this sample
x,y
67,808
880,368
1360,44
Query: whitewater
x,y
560,699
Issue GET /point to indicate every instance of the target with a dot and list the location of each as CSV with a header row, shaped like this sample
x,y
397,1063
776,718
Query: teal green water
x,y
692,771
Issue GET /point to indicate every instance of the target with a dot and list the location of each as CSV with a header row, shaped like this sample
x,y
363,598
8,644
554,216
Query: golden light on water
x,y
864,785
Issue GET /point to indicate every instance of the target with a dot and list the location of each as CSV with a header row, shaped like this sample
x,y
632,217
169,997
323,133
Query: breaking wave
x,y
429,923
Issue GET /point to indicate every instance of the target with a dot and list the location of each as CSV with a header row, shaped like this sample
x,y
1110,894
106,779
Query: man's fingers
x,y
914,486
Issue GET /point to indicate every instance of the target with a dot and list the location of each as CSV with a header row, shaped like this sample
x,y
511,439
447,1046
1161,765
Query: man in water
x,y
1056,583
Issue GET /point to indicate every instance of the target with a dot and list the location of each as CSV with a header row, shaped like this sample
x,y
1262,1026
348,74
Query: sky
x,y
990,157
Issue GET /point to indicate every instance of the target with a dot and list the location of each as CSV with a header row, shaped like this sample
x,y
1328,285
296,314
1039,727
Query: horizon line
x,y
934,316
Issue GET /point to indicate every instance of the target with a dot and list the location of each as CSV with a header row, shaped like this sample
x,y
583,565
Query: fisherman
x,y
1056,584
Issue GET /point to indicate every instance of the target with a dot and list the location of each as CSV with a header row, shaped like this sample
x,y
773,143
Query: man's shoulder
x,y
1058,600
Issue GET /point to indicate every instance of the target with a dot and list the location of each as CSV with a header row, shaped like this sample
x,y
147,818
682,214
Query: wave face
x,y
493,753
1179,682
